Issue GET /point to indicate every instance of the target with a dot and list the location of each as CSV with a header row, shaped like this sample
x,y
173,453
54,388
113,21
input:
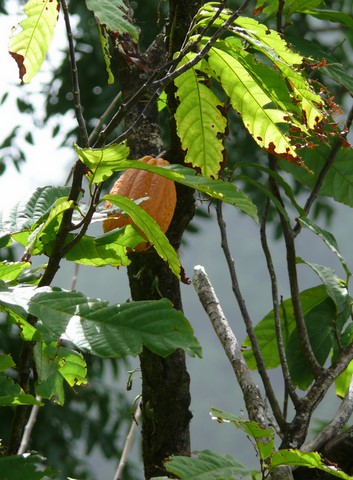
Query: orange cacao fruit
x,y
135,184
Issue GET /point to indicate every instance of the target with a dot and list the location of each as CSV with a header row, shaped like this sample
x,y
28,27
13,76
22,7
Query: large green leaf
x,y
218,189
20,467
114,16
265,329
114,330
207,465
29,46
200,122
296,458
150,230
31,210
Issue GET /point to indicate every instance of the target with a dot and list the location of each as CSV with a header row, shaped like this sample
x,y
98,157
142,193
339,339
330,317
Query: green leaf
x,y
114,15
296,458
31,210
9,271
251,99
109,249
328,238
11,394
29,467
335,287
114,330
218,189
265,329
54,365
103,162
29,46
6,362
207,465
264,437
330,16
338,182
149,228
342,382
104,38
319,322
200,121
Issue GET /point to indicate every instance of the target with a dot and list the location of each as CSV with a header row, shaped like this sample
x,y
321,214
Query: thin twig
x,y
247,320
252,396
74,77
279,16
29,427
289,237
109,111
275,301
128,442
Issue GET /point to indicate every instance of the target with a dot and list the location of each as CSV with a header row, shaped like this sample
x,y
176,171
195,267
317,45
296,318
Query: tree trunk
x,y
165,381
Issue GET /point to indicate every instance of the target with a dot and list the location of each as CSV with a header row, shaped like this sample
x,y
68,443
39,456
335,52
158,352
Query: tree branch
x,y
28,428
247,320
254,402
289,236
275,301
335,426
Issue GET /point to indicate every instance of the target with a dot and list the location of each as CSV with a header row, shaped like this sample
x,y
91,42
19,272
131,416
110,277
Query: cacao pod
x,y
135,184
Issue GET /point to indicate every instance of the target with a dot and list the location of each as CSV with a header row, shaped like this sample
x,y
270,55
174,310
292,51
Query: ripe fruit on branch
x,y
136,184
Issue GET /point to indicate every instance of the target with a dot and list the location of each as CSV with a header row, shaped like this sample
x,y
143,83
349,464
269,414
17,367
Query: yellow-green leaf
x,y
29,46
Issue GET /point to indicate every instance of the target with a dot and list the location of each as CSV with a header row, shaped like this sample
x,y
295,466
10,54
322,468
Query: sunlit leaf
x,y
11,270
200,122
11,394
29,46
309,460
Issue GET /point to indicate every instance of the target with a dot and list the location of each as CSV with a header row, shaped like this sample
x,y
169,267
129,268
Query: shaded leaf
x,y
113,14
29,46
54,365
207,465
114,330
30,467
6,362
265,329
12,394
